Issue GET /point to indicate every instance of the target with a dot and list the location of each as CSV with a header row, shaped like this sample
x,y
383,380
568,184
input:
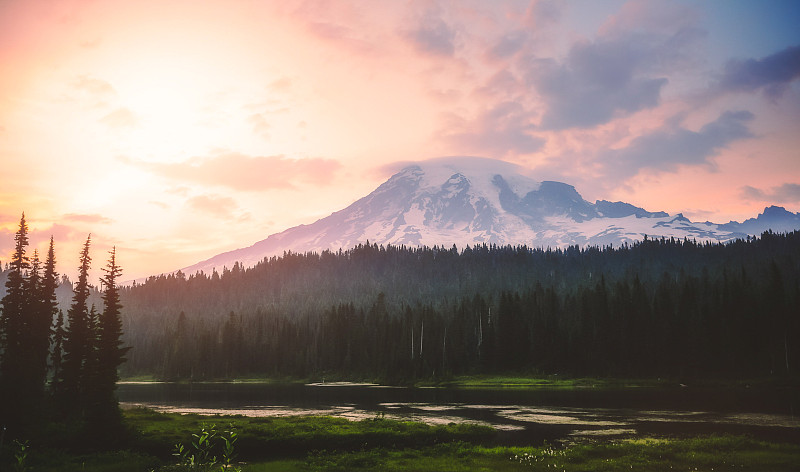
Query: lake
x,y
522,415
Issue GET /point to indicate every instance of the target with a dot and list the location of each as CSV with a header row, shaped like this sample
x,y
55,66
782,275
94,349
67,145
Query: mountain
x,y
467,201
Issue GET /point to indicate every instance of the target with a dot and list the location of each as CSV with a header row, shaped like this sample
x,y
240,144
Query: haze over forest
x,y
353,225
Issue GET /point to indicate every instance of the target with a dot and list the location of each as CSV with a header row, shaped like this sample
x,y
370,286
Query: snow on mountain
x,y
467,200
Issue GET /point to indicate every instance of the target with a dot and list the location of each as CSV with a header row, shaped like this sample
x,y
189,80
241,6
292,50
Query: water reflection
x,y
526,416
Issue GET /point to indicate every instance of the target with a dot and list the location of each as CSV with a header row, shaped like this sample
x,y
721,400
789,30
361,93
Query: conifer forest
x,y
658,308
55,368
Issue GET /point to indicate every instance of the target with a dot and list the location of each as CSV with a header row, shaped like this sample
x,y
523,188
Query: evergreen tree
x,y
90,389
58,350
31,382
12,331
77,339
110,353
43,307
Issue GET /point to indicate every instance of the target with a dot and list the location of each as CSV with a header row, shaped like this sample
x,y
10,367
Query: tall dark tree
x,y
12,330
78,338
109,351
57,354
32,376
43,307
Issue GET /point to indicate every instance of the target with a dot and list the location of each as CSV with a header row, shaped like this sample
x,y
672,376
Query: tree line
x,y
659,307
52,367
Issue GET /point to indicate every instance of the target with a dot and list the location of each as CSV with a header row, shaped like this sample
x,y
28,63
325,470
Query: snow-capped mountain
x,y
466,201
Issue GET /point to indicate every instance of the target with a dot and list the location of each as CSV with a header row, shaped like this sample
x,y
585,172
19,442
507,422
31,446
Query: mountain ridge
x,y
468,200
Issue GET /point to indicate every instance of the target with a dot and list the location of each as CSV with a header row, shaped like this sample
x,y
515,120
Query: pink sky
x,y
178,130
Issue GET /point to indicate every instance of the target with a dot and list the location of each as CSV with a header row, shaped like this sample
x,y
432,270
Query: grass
x,y
532,382
335,444
717,453
294,436
519,381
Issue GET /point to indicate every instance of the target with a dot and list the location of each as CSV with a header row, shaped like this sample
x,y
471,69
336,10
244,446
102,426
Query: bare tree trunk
x,y
412,342
444,349
786,351
421,334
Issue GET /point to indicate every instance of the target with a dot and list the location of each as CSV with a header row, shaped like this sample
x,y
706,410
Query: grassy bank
x,y
336,444
511,380
725,453
532,382
295,436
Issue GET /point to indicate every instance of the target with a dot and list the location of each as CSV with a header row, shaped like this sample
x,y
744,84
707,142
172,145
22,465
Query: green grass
x,y
533,382
294,436
721,453
335,444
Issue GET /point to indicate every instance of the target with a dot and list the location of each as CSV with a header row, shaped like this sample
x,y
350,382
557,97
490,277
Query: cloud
x,y
221,207
120,118
543,14
93,86
508,45
503,128
241,172
261,126
771,74
95,92
84,218
433,35
785,193
672,146
623,70
597,81
284,84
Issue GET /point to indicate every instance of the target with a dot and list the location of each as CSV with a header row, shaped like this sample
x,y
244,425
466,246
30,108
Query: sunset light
x,y
423,235
205,126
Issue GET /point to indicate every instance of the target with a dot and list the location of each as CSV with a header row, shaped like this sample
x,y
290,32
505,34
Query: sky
x,y
177,130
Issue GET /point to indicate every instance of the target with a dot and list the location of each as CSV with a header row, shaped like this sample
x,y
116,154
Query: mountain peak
x,y
471,200
774,211
478,171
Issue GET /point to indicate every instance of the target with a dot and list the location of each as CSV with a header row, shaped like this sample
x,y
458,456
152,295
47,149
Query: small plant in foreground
x,y
201,455
547,455
21,449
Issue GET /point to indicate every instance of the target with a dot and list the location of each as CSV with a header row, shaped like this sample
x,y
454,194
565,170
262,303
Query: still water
x,y
522,416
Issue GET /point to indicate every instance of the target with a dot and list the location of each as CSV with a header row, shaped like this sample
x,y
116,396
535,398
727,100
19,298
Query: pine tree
x,y
31,383
58,350
50,283
110,353
12,331
43,306
90,388
77,339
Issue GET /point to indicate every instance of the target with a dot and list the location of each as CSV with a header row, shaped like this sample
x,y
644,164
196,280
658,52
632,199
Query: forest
x,y
657,308
58,373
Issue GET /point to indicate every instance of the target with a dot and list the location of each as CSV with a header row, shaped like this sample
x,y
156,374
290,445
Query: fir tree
x,y
47,310
110,353
58,349
77,339
42,306
31,382
12,331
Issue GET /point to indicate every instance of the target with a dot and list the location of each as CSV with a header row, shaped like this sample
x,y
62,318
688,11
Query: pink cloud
x,y
433,35
260,125
120,118
785,193
221,207
94,86
241,172
83,218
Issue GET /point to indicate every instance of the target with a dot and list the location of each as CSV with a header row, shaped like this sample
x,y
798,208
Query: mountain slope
x,y
466,201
